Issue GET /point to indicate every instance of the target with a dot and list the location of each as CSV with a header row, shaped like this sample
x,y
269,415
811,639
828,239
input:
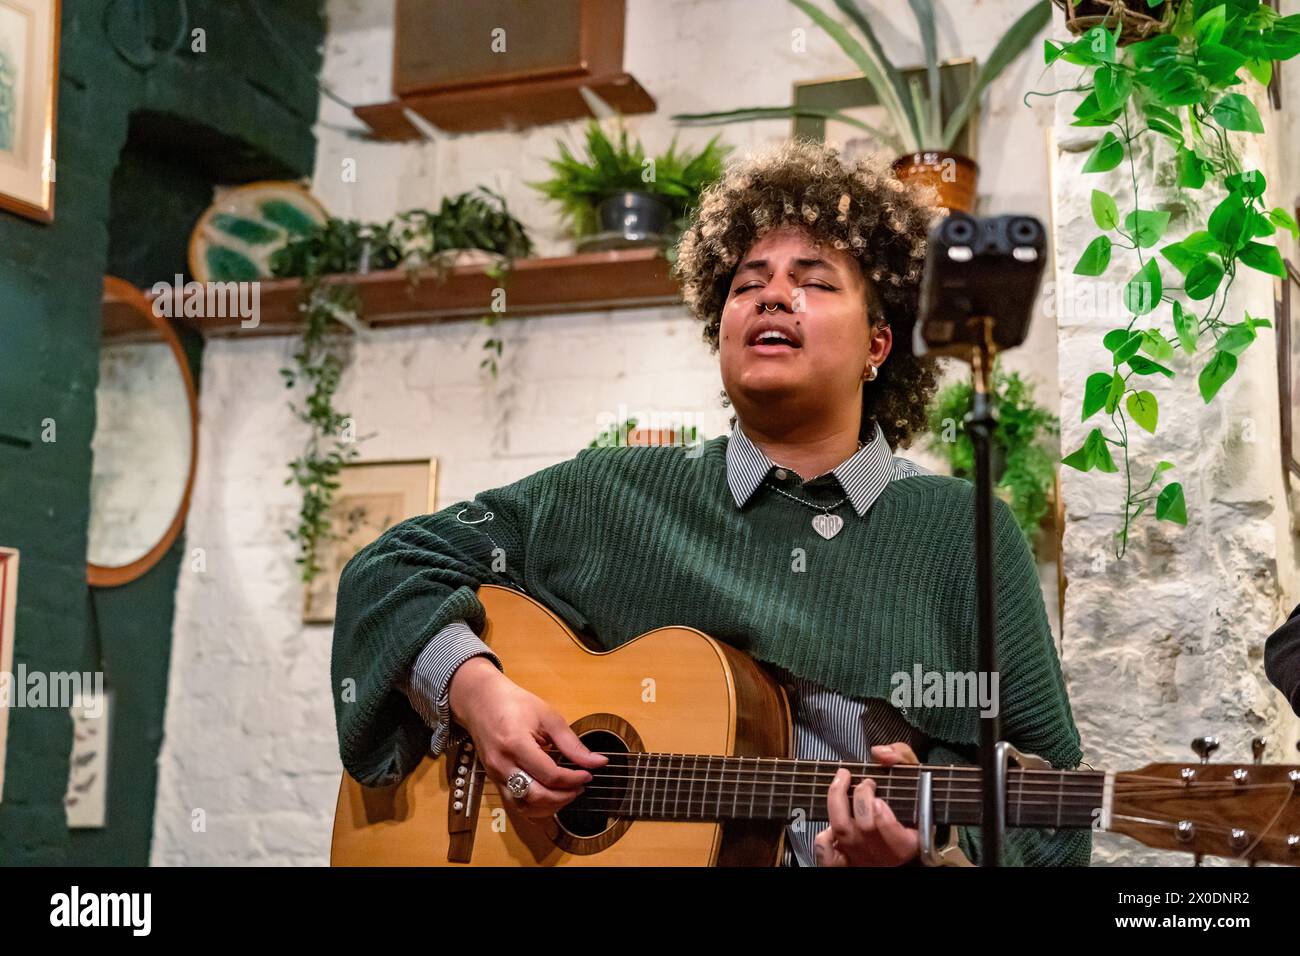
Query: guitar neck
x,y
700,787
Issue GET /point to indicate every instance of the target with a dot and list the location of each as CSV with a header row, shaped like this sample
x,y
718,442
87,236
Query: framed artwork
x,y
86,799
853,96
371,498
8,604
29,83
1288,366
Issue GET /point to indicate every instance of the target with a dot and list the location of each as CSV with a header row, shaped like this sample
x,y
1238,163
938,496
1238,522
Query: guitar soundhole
x,y
589,815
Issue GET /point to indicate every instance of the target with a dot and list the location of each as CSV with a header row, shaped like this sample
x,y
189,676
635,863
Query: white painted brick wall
x,y
250,728
1167,644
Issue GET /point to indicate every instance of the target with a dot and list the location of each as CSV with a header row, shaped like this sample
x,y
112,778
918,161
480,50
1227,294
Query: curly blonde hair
x,y
860,208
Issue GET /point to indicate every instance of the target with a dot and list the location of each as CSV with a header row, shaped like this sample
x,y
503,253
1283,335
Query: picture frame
x,y
29,84
85,802
371,498
1288,366
8,610
851,94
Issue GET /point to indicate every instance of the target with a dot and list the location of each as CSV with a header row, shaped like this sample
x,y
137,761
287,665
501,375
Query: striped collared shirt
x,y
828,726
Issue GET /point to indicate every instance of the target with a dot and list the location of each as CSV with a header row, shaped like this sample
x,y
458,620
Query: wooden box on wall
x,y
445,44
474,65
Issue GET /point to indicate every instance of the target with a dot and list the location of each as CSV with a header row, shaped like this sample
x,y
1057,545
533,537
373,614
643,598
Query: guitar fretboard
x,y
701,787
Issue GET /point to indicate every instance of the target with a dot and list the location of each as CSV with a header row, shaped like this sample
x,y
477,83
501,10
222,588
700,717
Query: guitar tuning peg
x,y
1257,745
1204,746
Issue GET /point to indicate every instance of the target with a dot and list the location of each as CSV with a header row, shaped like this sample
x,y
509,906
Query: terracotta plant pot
x,y
951,175
1137,20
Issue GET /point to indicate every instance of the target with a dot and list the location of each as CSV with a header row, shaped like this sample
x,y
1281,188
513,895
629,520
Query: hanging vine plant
x,y
1180,89
417,240
319,361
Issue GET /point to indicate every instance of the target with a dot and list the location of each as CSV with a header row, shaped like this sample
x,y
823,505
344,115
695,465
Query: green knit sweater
x,y
618,541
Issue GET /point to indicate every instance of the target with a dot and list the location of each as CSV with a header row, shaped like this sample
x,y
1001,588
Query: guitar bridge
x,y
465,783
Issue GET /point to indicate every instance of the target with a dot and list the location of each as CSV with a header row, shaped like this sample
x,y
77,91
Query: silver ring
x,y
518,783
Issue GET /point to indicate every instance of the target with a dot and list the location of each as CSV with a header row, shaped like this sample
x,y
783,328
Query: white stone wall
x,y
250,729
1167,644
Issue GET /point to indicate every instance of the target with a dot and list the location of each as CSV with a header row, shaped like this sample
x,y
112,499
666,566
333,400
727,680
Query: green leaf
x,y
1261,71
1229,221
1236,112
1124,348
1146,226
1112,86
1104,211
1156,345
1114,393
1249,183
1284,220
1095,453
1173,85
1170,506
1201,243
1143,292
1217,371
1191,170
1264,258
1144,366
1180,258
1095,258
1008,49
1237,339
1158,51
1095,392
1185,326
1203,278
1164,122
1105,156
883,70
1144,409
873,65
1210,25
1218,63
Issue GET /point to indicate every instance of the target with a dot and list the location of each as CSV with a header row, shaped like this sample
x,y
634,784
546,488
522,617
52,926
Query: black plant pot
x,y
630,219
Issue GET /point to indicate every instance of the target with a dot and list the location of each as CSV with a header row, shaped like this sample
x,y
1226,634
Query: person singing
x,y
800,538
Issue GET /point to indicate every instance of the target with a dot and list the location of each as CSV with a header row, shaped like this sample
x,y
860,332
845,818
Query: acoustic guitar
x,y
699,737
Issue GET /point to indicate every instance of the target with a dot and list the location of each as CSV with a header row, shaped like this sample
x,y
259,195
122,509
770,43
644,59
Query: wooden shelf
x,y
586,282
514,105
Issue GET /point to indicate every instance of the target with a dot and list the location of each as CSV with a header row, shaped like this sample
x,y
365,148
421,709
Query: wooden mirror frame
x,y
130,309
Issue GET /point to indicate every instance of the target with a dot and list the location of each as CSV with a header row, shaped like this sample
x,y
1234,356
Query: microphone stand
x,y
980,424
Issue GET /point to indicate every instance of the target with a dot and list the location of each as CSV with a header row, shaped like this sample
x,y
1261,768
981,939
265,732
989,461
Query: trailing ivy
x,y
1183,89
319,362
414,240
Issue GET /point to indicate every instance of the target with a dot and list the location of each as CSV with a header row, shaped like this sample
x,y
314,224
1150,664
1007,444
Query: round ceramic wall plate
x,y
235,238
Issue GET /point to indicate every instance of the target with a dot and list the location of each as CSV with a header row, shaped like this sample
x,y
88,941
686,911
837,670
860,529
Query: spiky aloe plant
x,y
916,116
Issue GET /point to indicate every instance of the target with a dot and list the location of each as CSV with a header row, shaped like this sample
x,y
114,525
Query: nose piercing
x,y
776,308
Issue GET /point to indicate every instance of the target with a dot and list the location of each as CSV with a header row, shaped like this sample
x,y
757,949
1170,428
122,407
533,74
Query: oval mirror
x,y
146,438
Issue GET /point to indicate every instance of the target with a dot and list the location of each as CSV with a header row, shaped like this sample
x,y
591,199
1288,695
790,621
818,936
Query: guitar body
x,y
671,690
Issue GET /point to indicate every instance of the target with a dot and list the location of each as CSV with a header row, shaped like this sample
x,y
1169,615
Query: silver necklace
x,y
825,524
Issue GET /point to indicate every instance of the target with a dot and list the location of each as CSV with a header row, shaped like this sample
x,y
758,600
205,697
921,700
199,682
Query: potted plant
x,y
1136,19
616,197
1178,93
472,224
920,134
1024,444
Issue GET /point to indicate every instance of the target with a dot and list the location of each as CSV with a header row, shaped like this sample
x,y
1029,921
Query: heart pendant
x,y
827,525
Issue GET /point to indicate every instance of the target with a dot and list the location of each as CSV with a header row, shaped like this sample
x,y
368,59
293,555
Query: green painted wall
x,y
139,150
